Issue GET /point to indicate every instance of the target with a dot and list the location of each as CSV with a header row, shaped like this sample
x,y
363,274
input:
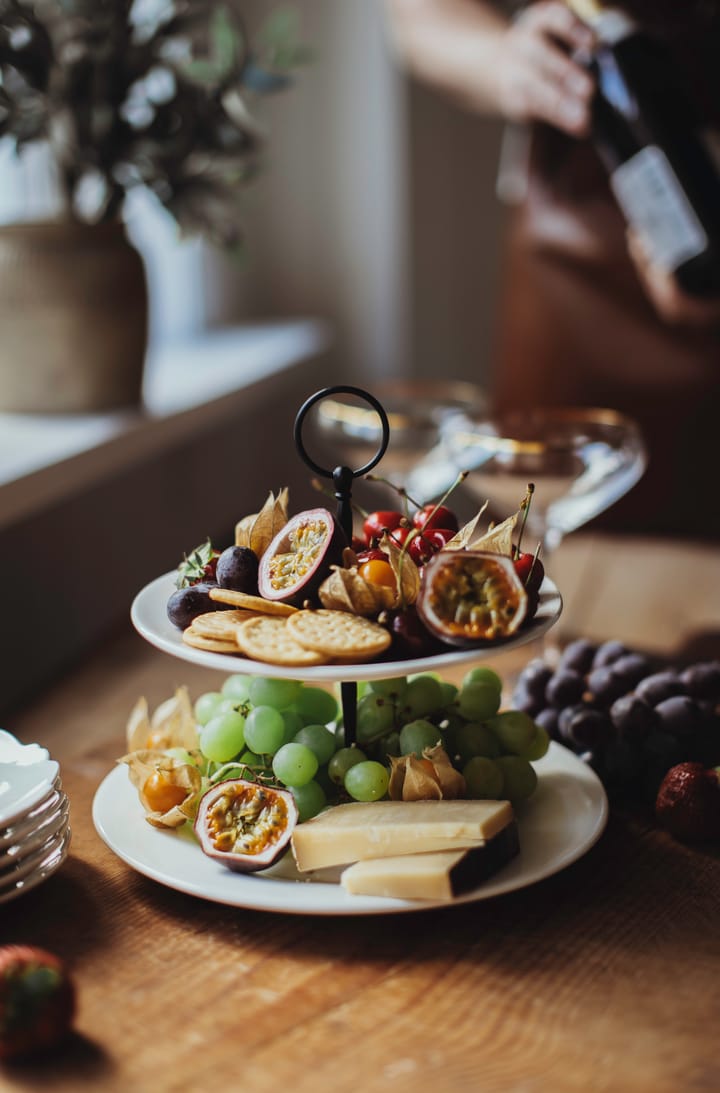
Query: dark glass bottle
x,y
663,168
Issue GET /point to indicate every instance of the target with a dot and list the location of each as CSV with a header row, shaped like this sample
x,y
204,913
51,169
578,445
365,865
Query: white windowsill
x,y
185,385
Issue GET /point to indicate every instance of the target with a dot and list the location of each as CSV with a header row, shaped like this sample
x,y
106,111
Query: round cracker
x,y
251,603
210,645
220,624
267,638
339,635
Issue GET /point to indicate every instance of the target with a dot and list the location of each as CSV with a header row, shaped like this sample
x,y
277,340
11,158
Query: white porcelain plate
x,y
149,616
563,819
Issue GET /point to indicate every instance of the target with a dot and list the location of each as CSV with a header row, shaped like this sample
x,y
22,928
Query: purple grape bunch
x,y
626,714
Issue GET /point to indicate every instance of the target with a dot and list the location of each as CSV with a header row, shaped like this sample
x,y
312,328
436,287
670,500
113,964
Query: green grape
x,y
375,717
538,745
309,798
483,675
367,781
319,739
417,735
514,729
325,781
478,701
223,737
264,730
316,706
294,764
449,693
483,778
208,705
182,754
237,687
390,688
390,745
424,695
341,762
519,777
278,693
252,759
293,722
473,738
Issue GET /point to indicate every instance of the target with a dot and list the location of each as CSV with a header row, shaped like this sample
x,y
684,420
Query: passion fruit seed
x,y
246,822
305,541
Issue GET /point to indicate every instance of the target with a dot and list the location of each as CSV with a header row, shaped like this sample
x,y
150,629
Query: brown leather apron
x,y
577,329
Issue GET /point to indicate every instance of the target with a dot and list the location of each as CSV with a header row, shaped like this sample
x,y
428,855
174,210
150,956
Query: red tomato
x,y
378,522
430,516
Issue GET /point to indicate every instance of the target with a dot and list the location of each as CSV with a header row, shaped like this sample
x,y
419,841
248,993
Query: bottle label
x,y
656,206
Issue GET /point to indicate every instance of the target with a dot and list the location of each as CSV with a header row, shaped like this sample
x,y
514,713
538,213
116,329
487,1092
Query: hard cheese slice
x,y
441,875
381,829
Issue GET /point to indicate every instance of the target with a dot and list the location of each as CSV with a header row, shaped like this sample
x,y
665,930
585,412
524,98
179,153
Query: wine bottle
x,y
649,134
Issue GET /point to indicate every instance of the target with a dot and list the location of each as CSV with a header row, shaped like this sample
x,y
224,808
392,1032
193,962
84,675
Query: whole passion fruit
x,y
244,825
299,557
471,596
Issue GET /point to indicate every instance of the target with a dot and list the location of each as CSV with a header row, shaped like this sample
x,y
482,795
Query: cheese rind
x,y
442,875
360,831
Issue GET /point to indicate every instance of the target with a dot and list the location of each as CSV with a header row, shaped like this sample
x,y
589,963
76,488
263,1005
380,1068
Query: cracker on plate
x,y
210,645
220,624
251,603
339,635
267,638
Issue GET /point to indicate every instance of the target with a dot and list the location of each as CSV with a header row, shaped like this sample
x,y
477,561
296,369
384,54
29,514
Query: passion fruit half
x,y
467,597
299,558
244,825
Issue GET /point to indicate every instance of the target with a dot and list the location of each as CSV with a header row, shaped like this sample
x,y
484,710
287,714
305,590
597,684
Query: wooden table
x,y
604,977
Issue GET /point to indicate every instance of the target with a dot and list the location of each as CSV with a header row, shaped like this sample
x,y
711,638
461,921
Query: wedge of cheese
x,y
440,875
381,829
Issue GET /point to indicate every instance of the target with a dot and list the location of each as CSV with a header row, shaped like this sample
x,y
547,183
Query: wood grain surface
x,y
602,978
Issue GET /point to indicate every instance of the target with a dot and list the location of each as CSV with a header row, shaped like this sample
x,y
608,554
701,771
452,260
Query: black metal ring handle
x,y
342,390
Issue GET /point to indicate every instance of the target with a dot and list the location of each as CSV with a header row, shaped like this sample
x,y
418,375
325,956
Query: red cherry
x,y
432,516
423,546
378,522
531,572
371,554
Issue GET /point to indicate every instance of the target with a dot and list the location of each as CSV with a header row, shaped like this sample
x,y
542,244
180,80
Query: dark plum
x,y
237,568
187,603
534,677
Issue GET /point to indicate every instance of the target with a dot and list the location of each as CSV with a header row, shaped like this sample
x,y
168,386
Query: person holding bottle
x,y
587,318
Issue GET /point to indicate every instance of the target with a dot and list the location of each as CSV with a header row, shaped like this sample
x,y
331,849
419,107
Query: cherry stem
x,y
399,490
524,510
536,555
458,481
328,492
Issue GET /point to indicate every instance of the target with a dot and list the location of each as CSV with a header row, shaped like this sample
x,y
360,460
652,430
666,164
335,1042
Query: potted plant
x,y
124,93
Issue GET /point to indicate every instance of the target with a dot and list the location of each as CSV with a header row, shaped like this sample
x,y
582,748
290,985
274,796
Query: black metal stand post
x,y
342,479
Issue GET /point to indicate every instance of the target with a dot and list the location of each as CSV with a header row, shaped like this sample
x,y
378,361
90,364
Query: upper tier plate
x,y
149,616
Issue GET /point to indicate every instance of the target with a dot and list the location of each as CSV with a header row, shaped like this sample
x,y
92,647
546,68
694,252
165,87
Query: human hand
x,y
672,304
536,79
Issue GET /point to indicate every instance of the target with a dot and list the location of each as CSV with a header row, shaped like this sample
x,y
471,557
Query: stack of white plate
x,y
34,817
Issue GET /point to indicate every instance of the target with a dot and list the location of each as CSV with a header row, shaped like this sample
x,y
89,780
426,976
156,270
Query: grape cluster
x,y
494,750
291,734
627,715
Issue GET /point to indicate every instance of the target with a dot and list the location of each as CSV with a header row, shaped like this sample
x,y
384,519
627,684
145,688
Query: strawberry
x,y
688,802
198,566
37,1000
